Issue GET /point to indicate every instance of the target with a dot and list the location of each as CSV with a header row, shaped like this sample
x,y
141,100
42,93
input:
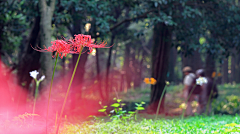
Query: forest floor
x,y
223,121
174,97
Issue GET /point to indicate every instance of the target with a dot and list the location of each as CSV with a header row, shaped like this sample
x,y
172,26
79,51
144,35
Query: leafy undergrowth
x,y
198,124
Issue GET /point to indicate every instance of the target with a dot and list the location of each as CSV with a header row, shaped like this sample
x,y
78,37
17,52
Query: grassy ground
x,y
229,97
192,125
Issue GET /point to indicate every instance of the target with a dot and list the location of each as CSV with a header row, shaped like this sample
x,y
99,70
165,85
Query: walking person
x,y
188,82
206,92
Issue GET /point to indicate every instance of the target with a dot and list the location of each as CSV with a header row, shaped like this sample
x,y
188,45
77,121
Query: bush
x,y
229,105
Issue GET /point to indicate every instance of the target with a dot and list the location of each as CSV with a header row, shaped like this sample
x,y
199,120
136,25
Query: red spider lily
x,y
81,41
60,46
72,46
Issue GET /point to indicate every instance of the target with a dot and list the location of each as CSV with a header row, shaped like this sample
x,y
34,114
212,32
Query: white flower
x,y
34,74
112,111
42,78
201,81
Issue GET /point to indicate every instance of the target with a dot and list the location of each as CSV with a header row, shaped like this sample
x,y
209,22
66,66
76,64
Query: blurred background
x,y
148,39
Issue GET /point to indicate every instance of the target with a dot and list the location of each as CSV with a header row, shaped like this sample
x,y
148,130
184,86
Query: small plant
x,y
139,107
118,113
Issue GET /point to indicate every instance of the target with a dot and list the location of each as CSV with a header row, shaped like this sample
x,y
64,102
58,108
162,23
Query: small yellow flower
x,y
153,81
146,80
213,74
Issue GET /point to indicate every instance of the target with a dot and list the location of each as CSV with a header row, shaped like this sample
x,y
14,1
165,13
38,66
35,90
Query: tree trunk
x,y
172,64
79,76
107,89
238,68
98,75
225,72
132,67
45,37
210,65
233,68
29,56
126,66
139,66
160,56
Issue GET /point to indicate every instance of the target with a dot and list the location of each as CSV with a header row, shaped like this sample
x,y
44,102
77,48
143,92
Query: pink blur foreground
x,y
16,106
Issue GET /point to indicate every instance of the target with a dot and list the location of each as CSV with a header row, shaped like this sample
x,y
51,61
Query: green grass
x,y
228,95
139,95
198,124
174,99
229,89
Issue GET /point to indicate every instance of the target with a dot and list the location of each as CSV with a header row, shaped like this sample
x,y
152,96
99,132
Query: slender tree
x,y
46,14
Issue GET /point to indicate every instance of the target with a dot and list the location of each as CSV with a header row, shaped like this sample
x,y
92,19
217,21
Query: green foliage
x,y
13,23
228,100
115,105
118,113
229,105
204,34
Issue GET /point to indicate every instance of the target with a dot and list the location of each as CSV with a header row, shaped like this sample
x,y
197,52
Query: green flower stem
x,y
35,97
136,115
184,109
51,90
65,100
159,103
206,112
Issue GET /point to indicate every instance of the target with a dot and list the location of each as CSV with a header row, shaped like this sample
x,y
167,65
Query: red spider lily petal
x,y
73,46
81,40
60,46
101,45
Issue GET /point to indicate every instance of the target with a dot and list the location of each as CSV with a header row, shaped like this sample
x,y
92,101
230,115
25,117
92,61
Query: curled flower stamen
x,y
60,46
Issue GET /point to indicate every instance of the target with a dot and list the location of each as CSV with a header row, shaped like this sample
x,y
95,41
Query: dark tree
x,y
160,57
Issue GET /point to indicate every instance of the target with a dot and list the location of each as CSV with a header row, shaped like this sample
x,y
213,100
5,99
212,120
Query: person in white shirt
x,y
188,81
